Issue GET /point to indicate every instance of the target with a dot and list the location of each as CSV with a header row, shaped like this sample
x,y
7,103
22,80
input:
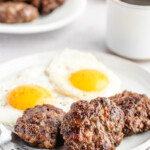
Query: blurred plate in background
x,y
59,18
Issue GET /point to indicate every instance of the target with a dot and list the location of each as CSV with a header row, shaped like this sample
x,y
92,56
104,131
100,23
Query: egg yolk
x,y
89,80
28,96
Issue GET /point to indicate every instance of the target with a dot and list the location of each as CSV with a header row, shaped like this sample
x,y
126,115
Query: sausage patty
x,y
17,12
44,6
39,126
136,108
92,126
47,6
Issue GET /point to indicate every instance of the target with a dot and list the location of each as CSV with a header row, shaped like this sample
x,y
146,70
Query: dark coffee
x,y
137,2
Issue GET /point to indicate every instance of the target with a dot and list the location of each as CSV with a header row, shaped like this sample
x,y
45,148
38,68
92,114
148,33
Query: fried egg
x,y
81,76
30,88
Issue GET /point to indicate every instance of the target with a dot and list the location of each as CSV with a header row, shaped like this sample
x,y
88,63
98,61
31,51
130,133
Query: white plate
x,y
133,78
59,18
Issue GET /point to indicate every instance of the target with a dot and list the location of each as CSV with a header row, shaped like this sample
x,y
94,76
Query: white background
x,y
87,32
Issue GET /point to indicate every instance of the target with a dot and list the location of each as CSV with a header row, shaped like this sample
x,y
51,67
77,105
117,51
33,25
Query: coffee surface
x,y
137,2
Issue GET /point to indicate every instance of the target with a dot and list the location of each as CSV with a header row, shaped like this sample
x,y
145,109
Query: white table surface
x,y
87,32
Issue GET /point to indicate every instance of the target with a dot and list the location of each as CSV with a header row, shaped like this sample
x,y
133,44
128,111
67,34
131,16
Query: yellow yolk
x,y
89,80
28,96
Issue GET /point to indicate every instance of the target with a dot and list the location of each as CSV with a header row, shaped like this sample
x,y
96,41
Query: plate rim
x,y
82,50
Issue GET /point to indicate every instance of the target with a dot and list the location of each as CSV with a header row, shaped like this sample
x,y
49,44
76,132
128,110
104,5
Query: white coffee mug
x,y
128,29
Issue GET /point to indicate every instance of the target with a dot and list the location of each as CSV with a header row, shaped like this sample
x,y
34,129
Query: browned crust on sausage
x,y
39,126
92,126
136,108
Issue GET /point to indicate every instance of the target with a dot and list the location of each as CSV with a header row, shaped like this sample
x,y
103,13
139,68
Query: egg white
x,y
70,61
31,76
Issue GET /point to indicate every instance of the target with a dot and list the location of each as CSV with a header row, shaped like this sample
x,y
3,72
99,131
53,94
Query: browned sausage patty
x,y
93,126
39,126
136,108
47,6
50,5
44,6
17,12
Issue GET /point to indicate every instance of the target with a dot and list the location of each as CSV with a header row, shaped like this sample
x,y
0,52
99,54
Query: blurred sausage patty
x,y
39,126
94,125
136,108
44,6
17,12
47,6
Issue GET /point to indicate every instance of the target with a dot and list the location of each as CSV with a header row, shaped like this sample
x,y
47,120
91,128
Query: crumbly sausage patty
x,y
17,12
92,126
136,108
39,126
